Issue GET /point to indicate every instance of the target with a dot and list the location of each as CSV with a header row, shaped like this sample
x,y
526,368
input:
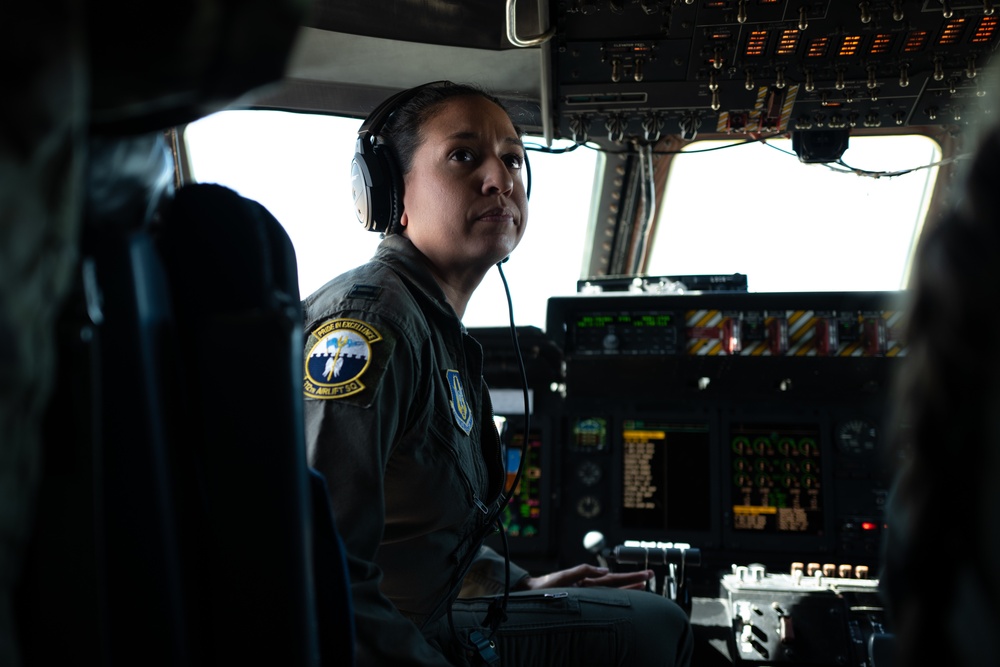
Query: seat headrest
x,y
127,179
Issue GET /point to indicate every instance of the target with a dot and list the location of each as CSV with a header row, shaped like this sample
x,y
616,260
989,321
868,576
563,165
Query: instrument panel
x,y
741,423
750,426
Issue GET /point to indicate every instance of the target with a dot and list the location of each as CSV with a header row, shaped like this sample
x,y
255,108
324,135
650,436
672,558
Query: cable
x,y
843,168
497,613
648,198
902,172
509,493
762,139
524,384
555,151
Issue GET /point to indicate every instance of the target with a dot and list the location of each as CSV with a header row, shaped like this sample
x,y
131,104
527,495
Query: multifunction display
x,y
776,478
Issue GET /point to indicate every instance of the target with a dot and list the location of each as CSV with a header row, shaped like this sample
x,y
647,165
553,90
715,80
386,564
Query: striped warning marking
x,y
894,333
802,333
855,349
704,332
792,333
722,125
753,122
786,108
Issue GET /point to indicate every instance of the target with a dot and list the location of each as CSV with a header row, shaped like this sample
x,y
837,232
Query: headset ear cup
x,y
376,176
367,183
376,187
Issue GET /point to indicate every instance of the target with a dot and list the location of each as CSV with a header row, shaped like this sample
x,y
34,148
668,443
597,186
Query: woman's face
x,y
464,201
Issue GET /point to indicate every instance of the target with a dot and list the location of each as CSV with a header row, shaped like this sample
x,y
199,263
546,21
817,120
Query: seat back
x,y
238,442
179,523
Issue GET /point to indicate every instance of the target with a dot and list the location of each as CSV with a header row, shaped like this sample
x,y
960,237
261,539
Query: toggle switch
x,y
786,631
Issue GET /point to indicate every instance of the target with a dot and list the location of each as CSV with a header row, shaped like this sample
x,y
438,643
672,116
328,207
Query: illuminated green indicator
x,y
624,319
593,321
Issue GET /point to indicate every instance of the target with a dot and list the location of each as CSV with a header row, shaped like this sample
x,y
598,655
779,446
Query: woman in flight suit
x,y
399,419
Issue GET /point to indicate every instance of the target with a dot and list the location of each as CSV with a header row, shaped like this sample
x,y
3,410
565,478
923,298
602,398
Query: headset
x,y
376,178
376,181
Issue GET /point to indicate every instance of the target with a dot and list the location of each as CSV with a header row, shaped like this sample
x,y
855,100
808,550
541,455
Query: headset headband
x,y
372,125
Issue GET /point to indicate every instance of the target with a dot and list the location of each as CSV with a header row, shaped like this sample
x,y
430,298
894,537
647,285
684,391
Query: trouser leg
x,y
582,627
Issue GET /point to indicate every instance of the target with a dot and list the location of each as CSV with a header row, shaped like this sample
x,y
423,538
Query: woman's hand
x,y
584,575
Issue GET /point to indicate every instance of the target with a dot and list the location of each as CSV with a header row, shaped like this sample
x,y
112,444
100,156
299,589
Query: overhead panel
x,y
638,69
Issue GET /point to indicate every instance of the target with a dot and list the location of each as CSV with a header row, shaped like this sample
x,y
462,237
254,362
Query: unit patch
x,y
459,406
339,356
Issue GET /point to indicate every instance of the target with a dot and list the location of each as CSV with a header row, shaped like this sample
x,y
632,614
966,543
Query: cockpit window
x,y
753,209
789,226
298,166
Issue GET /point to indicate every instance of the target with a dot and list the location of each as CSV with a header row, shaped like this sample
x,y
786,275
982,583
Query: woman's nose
x,y
497,177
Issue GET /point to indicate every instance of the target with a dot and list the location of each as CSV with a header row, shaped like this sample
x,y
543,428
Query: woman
x,y
399,420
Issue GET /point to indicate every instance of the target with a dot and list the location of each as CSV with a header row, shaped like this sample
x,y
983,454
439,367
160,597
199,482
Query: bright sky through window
x,y
756,209
298,166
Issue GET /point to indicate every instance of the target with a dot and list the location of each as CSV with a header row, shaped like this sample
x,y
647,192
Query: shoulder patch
x,y
459,406
339,356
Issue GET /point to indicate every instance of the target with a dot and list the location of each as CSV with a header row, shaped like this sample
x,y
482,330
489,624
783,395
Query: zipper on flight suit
x,y
480,466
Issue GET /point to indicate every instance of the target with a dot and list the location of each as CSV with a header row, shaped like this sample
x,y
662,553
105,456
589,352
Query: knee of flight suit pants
x,y
583,627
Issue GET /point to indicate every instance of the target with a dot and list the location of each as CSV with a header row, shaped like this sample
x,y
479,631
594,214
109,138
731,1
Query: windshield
x,y
750,208
754,208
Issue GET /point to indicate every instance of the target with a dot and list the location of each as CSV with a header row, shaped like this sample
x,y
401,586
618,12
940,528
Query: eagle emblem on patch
x,y
340,354
459,406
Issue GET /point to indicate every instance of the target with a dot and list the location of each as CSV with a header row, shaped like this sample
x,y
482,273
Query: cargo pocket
x,y
579,643
580,627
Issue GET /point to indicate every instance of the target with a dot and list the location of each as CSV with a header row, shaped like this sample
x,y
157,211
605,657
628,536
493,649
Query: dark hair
x,y
401,131
945,436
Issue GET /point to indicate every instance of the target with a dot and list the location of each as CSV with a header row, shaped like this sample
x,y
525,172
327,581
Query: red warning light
x,y
869,525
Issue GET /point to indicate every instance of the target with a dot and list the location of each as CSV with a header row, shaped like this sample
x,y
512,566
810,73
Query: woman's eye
x,y
515,161
462,155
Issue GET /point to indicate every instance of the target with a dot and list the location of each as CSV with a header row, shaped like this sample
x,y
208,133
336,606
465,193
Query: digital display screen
x,y
589,435
776,479
627,320
523,515
665,476
626,333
